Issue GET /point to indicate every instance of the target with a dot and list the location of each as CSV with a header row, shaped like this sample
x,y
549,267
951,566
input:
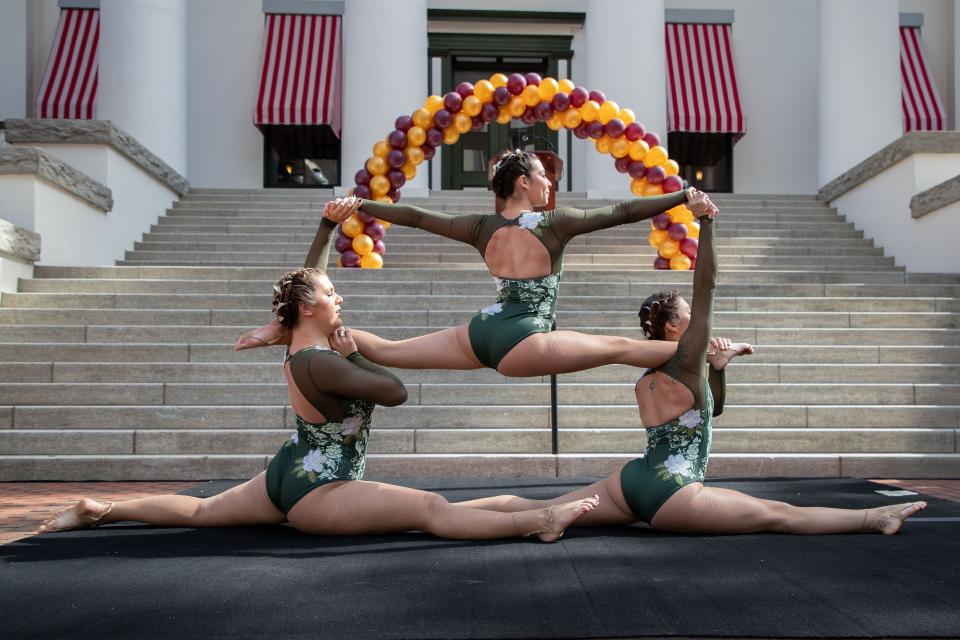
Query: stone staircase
x,y
128,372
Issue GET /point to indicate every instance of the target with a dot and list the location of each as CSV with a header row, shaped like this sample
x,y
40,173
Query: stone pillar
x,y
858,99
13,59
384,76
630,70
143,79
955,66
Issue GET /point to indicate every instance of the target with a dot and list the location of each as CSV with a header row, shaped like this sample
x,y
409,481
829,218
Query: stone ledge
x,y
935,198
28,160
904,147
26,131
18,242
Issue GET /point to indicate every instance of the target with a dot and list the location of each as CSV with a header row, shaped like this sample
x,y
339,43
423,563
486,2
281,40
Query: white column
x,y
143,65
858,101
13,59
384,76
955,64
630,71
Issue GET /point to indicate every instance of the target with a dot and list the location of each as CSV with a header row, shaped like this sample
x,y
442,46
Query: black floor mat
x,y
139,581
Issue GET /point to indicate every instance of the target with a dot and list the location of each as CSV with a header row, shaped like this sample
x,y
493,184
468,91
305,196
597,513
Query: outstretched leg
x,y
244,505
568,351
358,507
447,349
699,509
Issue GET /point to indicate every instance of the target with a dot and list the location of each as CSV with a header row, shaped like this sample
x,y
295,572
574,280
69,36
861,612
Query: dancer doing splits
x,y
665,488
314,481
524,252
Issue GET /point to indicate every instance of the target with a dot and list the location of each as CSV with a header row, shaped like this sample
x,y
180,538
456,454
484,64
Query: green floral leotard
x,y
677,451
524,306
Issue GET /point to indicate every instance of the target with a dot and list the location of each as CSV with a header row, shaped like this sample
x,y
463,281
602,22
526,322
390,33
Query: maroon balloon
x,y
634,131
677,231
662,221
375,230
395,159
365,217
434,137
543,111
403,123
362,177
689,246
430,150
478,124
489,112
637,169
623,164
581,131
362,191
693,263
578,96
656,175
651,139
442,119
516,84
501,96
396,178
560,101
614,128
671,184
452,102
350,259
661,263
598,97
379,247
529,116
342,243
595,129
397,139
533,78
464,89
394,194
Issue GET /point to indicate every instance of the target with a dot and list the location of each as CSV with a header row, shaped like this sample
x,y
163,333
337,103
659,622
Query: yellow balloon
x,y
603,144
451,135
548,88
462,122
362,244
339,262
381,149
652,190
668,248
433,104
638,150
416,136
483,90
531,95
620,147
422,118
681,214
384,199
414,155
589,110
517,106
627,115
497,80
656,237
555,122
377,166
504,116
672,168
409,169
680,262
472,105
693,230
352,226
386,225
636,186
656,156
608,111
566,85
379,185
372,260
572,118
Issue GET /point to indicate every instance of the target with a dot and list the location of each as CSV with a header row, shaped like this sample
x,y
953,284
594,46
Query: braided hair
x,y
510,166
656,311
291,290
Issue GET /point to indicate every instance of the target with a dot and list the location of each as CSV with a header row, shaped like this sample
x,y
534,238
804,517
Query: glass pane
x,y
301,156
475,150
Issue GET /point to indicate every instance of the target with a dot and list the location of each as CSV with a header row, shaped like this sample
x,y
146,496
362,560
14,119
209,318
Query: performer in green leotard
x,y
665,487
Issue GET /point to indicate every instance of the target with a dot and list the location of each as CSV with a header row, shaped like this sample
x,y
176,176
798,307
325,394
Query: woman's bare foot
x,y
83,515
264,336
721,358
560,516
888,520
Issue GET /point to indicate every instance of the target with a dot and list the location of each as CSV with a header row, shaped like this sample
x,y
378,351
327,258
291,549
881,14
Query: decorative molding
x,y
479,15
29,160
698,16
304,7
900,149
51,131
79,4
18,242
481,44
911,19
934,198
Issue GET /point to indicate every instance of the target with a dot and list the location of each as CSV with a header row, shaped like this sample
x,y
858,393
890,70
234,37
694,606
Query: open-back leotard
x,y
678,450
524,306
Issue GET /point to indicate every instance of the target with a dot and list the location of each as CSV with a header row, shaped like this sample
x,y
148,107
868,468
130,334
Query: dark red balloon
x,y
689,246
452,103
543,111
634,131
661,263
595,129
656,175
662,221
362,177
637,169
529,116
403,123
651,139
671,184
379,247
598,97
489,112
342,243
677,231
375,230
693,263
578,96
581,131
560,101
365,217
396,178
464,89
516,84
394,194
434,137
533,78
397,139
430,150
623,164
362,191
501,96
350,259
614,128
442,119
477,124
395,158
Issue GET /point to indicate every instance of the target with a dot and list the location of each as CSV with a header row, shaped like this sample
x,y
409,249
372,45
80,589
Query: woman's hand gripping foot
x,y
723,351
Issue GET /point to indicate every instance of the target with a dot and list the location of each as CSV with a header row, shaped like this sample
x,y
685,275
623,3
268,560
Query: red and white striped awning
x,y
69,85
702,91
300,73
922,108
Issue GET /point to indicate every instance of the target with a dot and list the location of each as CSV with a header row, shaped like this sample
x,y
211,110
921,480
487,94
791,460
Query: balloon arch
x,y
561,105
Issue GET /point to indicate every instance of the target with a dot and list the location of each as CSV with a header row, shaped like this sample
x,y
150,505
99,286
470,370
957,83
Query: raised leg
x,y
447,349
